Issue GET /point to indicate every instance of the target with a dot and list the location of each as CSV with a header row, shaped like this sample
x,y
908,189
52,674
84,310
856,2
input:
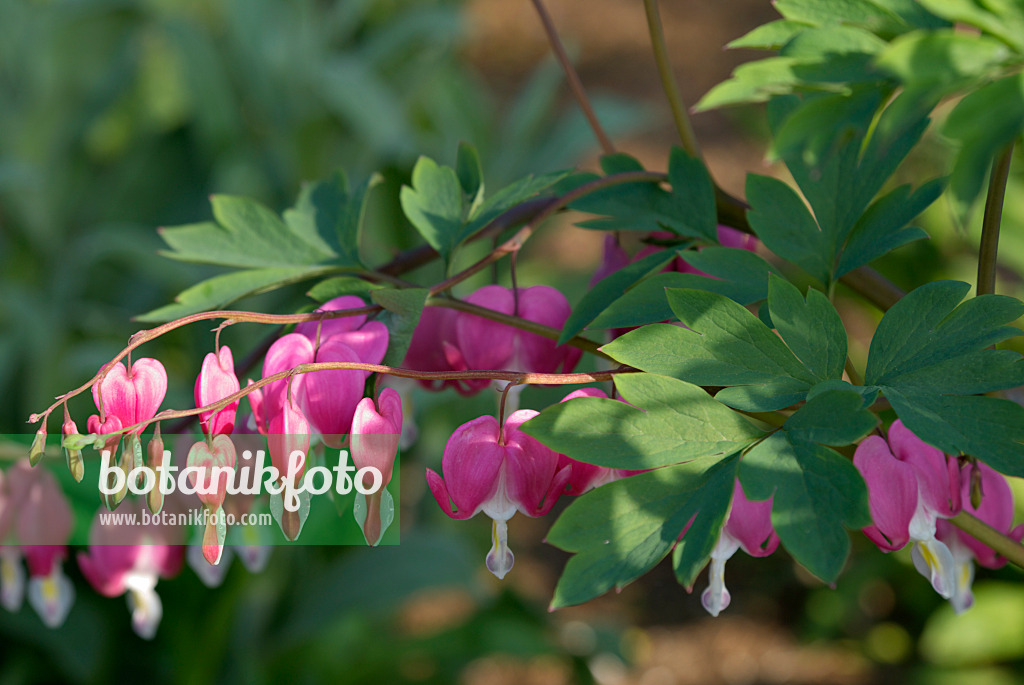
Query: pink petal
x,y
370,343
750,524
545,305
996,510
486,344
892,493
287,352
288,432
613,258
330,397
375,435
216,381
471,463
330,327
529,467
938,480
730,237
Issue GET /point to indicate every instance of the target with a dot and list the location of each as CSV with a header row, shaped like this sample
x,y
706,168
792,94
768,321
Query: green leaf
x,y
670,422
988,428
941,58
470,173
246,235
984,122
843,173
740,275
609,289
687,210
404,308
330,288
753,82
434,204
816,493
220,291
784,224
693,195
723,345
621,530
329,210
927,326
833,417
830,12
508,197
1007,26
929,355
883,227
811,328
770,36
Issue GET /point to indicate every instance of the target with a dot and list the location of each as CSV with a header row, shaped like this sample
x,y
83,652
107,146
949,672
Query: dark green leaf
x,y
833,417
724,345
222,290
470,173
989,428
816,492
927,326
783,223
621,530
693,195
328,210
740,275
404,308
610,289
670,422
811,328
883,227
330,288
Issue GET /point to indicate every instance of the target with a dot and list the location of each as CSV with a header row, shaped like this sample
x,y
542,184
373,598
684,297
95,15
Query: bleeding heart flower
x,y
216,381
497,471
585,477
216,462
132,395
749,527
911,485
369,340
996,509
130,559
375,437
42,520
289,434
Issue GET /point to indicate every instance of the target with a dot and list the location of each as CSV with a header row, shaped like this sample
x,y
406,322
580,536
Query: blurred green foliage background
x,y
118,116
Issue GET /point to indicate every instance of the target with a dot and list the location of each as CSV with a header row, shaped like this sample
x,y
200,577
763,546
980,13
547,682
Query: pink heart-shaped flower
x,y
217,463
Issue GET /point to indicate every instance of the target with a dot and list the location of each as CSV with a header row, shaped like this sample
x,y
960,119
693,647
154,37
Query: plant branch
x,y
516,242
990,227
574,79
1009,548
668,81
518,377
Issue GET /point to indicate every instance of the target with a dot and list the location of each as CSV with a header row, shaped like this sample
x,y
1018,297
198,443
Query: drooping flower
x,y
35,506
996,509
749,527
583,476
130,560
131,395
216,381
375,437
499,471
447,340
911,485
